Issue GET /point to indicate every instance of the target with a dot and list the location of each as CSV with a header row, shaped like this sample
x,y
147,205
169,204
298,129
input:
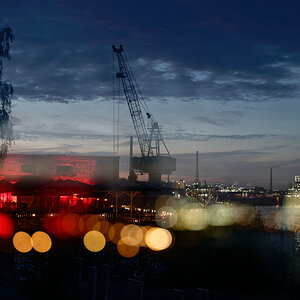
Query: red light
x,y
70,224
7,197
63,225
6,226
54,226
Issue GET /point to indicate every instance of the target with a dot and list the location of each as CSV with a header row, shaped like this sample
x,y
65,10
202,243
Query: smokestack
x,y
197,167
132,176
271,181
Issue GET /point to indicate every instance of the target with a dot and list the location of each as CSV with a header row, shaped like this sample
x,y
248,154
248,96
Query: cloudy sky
x,y
221,77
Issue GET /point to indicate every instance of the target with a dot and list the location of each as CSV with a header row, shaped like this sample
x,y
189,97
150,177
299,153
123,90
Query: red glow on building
x,y
7,197
86,169
53,182
75,200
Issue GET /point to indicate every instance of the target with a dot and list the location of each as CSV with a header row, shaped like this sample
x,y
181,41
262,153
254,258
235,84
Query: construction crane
x,y
155,157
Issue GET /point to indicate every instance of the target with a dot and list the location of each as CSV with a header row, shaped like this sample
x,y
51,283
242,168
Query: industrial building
x,y
86,169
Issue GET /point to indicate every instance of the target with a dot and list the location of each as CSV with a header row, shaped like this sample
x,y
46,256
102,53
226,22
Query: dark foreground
x,y
235,263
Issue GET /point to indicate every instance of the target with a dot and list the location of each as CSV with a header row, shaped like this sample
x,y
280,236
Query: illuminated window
x,y
64,169
28,169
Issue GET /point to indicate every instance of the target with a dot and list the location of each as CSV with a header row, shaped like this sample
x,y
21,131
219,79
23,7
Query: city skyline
x,y
223,80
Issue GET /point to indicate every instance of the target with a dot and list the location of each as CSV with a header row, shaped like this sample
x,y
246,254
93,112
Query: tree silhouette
x,y
6,91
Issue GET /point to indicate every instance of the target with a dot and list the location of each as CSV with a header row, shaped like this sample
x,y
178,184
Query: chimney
x,y
132,177
197,167
271,181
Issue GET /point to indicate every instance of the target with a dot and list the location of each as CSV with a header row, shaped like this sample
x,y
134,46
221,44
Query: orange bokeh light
x,y
127,250
158,239
22,242
94,241
41,242
114,232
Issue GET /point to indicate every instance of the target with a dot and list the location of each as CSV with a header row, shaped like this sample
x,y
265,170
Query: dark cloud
x,y
220,120
190,136
33,135
222,154
62,150
210,50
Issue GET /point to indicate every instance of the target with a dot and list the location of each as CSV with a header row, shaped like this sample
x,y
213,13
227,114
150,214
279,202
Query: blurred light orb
x,y
70,224
193,217
244,215
92,223
127,250
94,241
22,242
166,217
221,215
6,226
161,201
158,239
132,235
41,242
54,225
82,223
114,232
179,224
103,225
144,229
291,218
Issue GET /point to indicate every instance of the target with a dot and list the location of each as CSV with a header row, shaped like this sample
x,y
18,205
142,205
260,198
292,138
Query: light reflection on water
x,y
265,210
297,242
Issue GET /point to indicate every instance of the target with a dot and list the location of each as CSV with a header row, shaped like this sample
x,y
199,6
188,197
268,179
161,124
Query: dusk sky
x,y
221,77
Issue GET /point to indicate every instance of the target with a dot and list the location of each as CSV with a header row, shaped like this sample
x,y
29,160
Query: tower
x,y
197,167
271,181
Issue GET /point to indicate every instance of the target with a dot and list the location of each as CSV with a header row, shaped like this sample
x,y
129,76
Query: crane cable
x,y
113,96
118,116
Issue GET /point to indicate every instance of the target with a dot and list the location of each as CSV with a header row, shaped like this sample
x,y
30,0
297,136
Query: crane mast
x,y
152,161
